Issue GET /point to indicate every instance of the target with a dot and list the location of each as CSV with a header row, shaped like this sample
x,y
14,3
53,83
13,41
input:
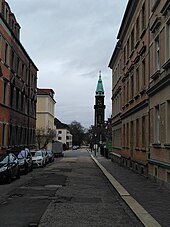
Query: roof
x,y
60,125
100,89
46,91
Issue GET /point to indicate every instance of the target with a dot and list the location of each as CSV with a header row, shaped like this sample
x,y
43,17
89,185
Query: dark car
x,y
51,155
25,161
9,167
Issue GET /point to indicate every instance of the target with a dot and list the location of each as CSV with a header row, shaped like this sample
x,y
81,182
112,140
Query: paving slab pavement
x,y
155,199
87,199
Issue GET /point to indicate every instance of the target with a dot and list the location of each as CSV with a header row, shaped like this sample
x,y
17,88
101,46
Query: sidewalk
x,y
151,196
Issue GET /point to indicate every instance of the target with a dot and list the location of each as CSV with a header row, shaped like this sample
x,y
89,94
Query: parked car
x,y
9,167
75,147
46,156
51,155
38,158
25,161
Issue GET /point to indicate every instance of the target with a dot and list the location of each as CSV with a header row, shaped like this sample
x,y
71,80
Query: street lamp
x,y
95,135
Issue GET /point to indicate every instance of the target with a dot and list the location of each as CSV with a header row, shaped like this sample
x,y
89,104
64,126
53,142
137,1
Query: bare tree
x,y
44,137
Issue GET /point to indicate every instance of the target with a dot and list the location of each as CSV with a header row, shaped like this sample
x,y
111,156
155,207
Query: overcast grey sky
x,y
70,41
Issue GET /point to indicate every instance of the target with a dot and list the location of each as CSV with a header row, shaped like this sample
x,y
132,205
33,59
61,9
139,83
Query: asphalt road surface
x,y
70,192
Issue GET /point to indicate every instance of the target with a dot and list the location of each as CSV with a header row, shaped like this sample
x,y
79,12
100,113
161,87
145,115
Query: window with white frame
x,y
157,52
157,124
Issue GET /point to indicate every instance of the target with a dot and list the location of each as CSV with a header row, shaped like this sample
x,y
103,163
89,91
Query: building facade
x,y
45,110
63,134
140,84
18,86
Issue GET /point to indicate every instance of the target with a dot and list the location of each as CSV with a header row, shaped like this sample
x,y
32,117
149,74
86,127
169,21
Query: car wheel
x,y
9,178
18,174
26,169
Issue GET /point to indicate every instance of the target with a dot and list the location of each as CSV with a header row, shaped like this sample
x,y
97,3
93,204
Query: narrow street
x,y
72,191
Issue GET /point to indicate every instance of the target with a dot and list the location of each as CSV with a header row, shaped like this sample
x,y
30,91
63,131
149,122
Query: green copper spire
x,y
100,90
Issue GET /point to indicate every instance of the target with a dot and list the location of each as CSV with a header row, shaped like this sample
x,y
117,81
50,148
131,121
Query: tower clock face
x,y
99,102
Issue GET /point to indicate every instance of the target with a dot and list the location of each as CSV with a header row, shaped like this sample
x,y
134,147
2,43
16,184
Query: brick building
x,y
18,83
140,85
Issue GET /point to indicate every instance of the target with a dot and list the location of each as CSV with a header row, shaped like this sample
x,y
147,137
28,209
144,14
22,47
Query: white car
x,y
38,158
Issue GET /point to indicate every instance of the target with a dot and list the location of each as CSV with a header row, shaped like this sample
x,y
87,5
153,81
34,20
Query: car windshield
x,y
38,153
21,155
4,159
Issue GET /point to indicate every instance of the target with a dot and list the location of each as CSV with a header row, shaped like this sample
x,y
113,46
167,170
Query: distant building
x,y
63,134
18,86
140,89
45,109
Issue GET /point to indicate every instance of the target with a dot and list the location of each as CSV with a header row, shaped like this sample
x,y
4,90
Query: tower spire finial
x,y
100,74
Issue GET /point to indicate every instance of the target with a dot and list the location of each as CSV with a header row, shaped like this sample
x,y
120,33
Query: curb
x,y
146,219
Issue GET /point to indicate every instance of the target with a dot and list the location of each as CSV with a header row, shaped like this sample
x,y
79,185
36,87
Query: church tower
x,y
99,106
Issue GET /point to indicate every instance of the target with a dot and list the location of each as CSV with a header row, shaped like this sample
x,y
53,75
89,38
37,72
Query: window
x,y
17,98
137,80
6,14
59,138
168,177
128,48
157,124
59,132
3,135
143,73
132,40
18,63
143,132
143,17
131,85
0,45
6,53
137,29
10,135
5,92
168,40
12,60
11,95
137,132
127,135
157,53
127,91
124,134
124,55
131,137
168,122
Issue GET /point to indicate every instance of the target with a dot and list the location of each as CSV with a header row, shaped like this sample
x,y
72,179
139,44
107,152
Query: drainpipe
x,y
148,80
